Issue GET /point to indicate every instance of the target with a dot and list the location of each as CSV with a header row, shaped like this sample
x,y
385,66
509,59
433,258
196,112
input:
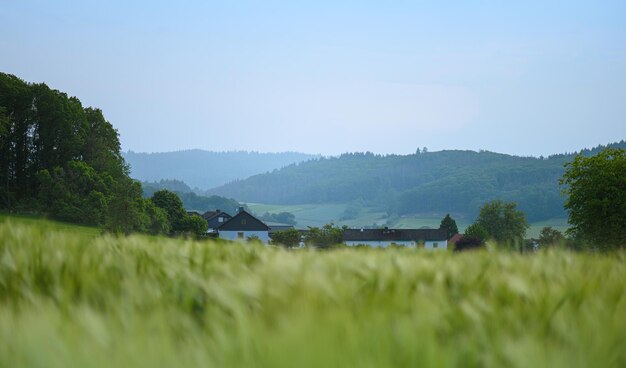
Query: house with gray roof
x,y
243,226
415,238
215,219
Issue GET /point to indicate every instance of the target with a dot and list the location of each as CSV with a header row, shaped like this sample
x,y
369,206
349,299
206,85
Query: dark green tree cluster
x,y
445,181
449,225
477,231
63,160
180,222
281,217
596,198
176,186
549,237
191,200
327,236
288,238
47,136
500,221
503,222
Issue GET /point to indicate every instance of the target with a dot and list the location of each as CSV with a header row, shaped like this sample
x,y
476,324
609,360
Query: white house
x,y
416,238
243,226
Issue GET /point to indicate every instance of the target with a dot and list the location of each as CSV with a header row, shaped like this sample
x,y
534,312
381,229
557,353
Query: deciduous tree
x,y
549,236
596,198
289,238
503,222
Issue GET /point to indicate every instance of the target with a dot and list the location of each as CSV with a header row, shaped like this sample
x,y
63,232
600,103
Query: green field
x,y
49,225
320,214
69,298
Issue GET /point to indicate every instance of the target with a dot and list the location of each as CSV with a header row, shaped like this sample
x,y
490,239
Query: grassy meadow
x,y
70,298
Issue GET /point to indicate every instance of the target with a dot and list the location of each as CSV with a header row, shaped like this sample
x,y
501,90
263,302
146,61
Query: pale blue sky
x,y
534,78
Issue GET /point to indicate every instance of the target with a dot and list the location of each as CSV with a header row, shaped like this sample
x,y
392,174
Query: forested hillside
x,y
62,159
191,200
205,169
445,181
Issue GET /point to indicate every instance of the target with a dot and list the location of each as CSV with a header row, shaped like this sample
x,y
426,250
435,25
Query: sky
x,y
526,78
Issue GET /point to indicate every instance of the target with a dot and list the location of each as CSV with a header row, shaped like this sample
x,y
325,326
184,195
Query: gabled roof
x,y
243,221
394,235
209,215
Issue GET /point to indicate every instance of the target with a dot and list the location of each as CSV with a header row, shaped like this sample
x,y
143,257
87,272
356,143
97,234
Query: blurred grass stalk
x,y
75,299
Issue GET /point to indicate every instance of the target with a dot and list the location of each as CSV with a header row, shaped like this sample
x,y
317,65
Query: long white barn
x,y
415,238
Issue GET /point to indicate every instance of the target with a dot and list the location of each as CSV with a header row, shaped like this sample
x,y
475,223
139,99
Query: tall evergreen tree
x,y
449,225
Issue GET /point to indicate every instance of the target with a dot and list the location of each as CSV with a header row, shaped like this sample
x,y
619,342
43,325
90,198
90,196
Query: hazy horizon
x,y
528,79
126,151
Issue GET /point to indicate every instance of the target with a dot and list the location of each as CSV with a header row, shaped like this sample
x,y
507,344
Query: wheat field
x,y
70,299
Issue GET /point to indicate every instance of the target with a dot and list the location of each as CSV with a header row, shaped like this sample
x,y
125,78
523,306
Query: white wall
x,y
233,235
441,244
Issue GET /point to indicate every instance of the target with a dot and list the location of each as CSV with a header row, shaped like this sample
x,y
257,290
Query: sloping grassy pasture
x,y
72,300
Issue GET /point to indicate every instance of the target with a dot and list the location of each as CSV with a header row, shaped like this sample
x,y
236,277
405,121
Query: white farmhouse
x,y
416,238
243,226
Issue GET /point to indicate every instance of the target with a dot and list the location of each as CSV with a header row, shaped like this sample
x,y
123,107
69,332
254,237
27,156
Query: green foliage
x,y
173,206
73,300
550,237
179,221
503,222
45,130
157,221
173,185
196,225
126,208
63,160
449,225
596,198
191,200
288,238
282,217
75,193
327,236
439,182
476,230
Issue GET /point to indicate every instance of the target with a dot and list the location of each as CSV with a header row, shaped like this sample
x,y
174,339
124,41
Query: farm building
x,y
215,219
417,238
243,226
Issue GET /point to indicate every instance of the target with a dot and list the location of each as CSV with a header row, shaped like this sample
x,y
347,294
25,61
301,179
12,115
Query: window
x,y
240,235
435,245
220,219
243,221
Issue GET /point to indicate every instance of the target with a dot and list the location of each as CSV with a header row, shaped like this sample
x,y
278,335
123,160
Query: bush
x,y
288,238
469,243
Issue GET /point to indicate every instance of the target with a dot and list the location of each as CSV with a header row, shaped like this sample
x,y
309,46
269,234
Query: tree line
x,y
63,160
445,181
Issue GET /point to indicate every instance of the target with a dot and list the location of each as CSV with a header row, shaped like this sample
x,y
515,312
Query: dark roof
x,y
243,221
209,215
394,234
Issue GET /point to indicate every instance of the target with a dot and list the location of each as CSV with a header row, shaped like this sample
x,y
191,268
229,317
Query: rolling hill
x,y
434,182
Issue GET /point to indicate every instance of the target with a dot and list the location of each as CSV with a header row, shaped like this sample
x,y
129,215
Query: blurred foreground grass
x,y
70,299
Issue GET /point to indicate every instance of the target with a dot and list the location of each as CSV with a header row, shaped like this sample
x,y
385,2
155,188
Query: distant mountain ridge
x,y
207,169
444,181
